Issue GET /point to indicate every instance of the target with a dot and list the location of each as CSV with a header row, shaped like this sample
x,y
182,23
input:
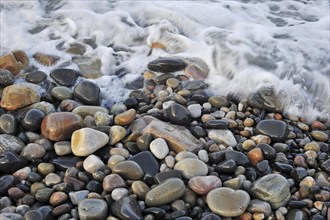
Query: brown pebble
x,y
61,209
300,161
255,156
58,198
112,181
125,118
14,61
319,135
261,139
15,193
246,216
278,116
245,133
318,125
77,184
248,122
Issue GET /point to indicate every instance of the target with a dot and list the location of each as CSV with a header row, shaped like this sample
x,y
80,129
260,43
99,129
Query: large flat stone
x,y
178,137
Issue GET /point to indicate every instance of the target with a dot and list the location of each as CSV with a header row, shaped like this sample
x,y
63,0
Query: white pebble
x,y
195,110
203,155
92,163
159,148
170,161
119,193
162,168
167,104
207,106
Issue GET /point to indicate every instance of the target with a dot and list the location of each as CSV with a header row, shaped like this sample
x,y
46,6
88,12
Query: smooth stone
x,y
272,188
119,193
85,110
191,167
114,159
140,189
116,134
167,65
319,135
199,96
261,139
172,82
203,155
297,214
125,118
36,77
63,163
222,137
61,93
10,143
178,114
131,102
227,202
89,209
255,156
240,158
62,148
11,162
52,179
33,151
102,119
326,165
58,198
226,167
177,137
23,173
128,170
6,78
216,124
259,206
88,92
8,124
45,168
62,209
59,126
211,216
218,101
65,77
165,192
93,163
78,196
112,181
127,208
86,141
298,173
195,110
268,151
157,213
204,184
160,177
275,129
117,109
33,215
44,194
31,120
321,179
17,96
15,193
185,154
144,141
198,131
159,148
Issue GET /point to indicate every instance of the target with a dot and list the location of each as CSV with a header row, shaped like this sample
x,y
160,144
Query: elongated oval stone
x,y
191,167
167,65
166,192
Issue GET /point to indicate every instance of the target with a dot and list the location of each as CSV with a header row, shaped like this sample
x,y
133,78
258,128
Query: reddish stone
x,y
255,156
59,126
204,184
15,193
58,198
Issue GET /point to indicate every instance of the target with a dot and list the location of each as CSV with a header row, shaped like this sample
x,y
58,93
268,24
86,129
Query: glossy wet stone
x,y
296,214
31,119
222,136
216,124
8,124
36,76
191,167
126,208
88,92
147,162
6,78
167,65
267,151
160,177
238,157
10,143
11,162
275,129
128,170
204,184
218,101
33,215
125,118
6,182
228,202
226,167
64,77
92,209
63,163
178,114
165,192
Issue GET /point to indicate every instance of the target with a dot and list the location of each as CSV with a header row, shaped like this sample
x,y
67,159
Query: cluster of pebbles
x,y
169,151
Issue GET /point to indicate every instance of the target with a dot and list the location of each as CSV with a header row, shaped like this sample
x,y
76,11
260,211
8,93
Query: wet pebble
x,y
92,209
191,167
64,77
159,148
88,92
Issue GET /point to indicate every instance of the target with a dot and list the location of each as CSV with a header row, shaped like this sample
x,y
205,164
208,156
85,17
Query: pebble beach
x,y
168,151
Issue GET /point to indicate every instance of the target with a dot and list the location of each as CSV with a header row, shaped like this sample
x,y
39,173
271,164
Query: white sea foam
x,y
247,44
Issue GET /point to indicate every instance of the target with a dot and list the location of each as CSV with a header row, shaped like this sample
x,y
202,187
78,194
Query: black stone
x,y
326,166
144,141
217,157
296,214
200,97
216,124
240,158
28,200
47,212
298,173
6,182
63,163
65,77
132,147
318,217
167,65
198,131
178,114
36,77
160,177
226,167
6,78
211,216
147,162
178,214
94,186
297,204
268,151
195,85
275,129
158,213
264,98
262,166
126,208
251,174
32,118
8,124
11,162
161,80
283,167
88,92
33,215
131,103
34,177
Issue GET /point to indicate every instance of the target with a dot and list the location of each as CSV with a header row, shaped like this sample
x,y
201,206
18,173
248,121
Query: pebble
x,y
203,156
10,143
297,214
116,134
228,202
93,163
102,119
23,173
159,148
204,184
89,209
11,162
275,129
125,118
255,156
248,145
172,82
33,151
58,198
319,135
178,114
222,137
128,170
36,77
33,215
119,193
140,189
8,124
6,78
61,93
52,179
59,126
62,148
272,188
165,192
126,208
195,110
17,96
15,193
218,101
78,196
86,141
167,65
191,167
259,206
88,92
65,77
85,110
112,181
31,120
258,139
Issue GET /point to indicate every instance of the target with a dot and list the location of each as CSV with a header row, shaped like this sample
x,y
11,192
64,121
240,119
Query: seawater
x,y
247,44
